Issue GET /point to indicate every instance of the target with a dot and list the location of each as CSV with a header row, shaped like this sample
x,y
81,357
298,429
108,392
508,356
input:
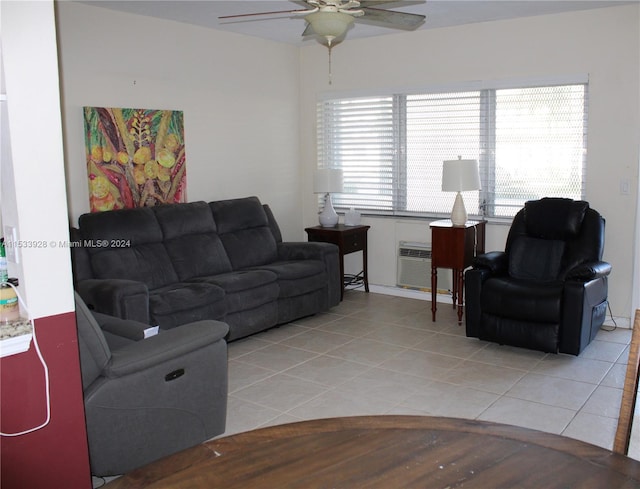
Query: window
x,y
530,142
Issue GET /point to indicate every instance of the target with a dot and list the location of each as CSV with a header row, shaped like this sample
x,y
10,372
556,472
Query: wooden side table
x,y
454,247
349,239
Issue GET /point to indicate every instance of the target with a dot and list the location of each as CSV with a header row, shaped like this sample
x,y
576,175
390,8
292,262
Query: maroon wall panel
x,y
55,455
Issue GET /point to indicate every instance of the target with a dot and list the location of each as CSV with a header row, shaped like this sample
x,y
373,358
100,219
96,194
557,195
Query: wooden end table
x,y
454,247
348,239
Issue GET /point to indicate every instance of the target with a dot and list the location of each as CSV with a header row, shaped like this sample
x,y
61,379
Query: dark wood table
x,y
454,247
349,240
389,452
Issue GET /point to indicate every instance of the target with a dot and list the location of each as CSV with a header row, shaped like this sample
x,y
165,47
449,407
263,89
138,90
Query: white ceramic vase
x,y
352,217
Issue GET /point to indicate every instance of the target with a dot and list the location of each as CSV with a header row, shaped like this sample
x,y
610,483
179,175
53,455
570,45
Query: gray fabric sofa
x,y
225,260
148,398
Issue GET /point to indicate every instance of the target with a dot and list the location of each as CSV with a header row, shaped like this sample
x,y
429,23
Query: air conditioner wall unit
x,y
414,268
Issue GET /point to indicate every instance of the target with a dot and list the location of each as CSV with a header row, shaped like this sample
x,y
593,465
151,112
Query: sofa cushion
x,y
237,214
198,255
250,247
149,264
536,259
240,280
177,220
183,296
298,277
245,289
136,226
244,229
191,240
127,244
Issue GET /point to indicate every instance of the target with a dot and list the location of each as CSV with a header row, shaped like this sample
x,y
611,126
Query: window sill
x,y
500,221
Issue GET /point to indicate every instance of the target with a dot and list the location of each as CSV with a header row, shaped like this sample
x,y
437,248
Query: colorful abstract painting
x,y
135,157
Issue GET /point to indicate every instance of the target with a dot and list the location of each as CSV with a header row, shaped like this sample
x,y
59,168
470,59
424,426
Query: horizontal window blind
x,y
529,143
539,148
439,127
359,137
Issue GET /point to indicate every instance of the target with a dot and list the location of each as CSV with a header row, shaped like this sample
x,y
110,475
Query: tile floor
x,y
381,354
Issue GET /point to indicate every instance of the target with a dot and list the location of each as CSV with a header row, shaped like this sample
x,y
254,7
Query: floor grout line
x,y
380,313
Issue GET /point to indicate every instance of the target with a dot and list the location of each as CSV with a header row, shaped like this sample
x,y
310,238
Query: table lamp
x,y
328,181
458,176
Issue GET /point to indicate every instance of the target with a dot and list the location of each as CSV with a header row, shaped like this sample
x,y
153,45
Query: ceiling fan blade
x,y
308,31
263,13
390,18
397,3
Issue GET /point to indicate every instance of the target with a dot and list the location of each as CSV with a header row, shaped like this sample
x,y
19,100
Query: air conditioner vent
x,y
414,268
415,252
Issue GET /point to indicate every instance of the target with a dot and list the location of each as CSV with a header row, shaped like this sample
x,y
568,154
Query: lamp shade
x,y
460,175
327,180
329,24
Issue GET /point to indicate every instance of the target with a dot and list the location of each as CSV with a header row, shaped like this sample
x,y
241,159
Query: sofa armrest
x,y
495,261
304,250
165,346
316,250
589,271
116,297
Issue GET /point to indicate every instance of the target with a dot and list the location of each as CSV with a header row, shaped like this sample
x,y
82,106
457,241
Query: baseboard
x,y
408,293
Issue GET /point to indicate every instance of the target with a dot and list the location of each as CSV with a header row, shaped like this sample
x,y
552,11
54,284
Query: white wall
x,y
239,96
603,43
33,196
249,105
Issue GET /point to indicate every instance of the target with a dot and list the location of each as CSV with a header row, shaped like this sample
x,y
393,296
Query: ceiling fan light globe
x,y
329,24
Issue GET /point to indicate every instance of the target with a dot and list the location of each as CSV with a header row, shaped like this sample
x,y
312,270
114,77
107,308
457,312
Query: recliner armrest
x,y
165,346
126,328
495,261
589,271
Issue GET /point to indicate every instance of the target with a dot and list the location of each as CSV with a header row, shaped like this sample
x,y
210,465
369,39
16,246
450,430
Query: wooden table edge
x,y
156,471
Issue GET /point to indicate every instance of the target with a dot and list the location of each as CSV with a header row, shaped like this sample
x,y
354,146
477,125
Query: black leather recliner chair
x,y
548,290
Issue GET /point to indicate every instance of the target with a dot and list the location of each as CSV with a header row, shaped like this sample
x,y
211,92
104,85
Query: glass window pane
x,y
529,142
440,127
540,145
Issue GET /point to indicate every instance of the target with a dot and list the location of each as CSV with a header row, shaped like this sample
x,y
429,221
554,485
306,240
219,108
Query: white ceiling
x,y
288,28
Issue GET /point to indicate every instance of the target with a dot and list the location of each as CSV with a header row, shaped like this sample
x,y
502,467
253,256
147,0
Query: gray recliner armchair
x,y
148,398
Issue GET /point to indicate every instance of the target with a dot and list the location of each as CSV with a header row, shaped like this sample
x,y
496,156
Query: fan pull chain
x,y
330,78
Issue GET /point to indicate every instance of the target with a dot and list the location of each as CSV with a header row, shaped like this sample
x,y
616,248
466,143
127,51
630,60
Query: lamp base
x,y
328,217
458,213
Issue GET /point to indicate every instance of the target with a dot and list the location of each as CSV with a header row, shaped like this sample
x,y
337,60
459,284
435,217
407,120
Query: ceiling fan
x,y
330,19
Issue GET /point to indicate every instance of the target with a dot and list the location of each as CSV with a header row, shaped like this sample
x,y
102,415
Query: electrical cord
x,y
615,325
44,366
